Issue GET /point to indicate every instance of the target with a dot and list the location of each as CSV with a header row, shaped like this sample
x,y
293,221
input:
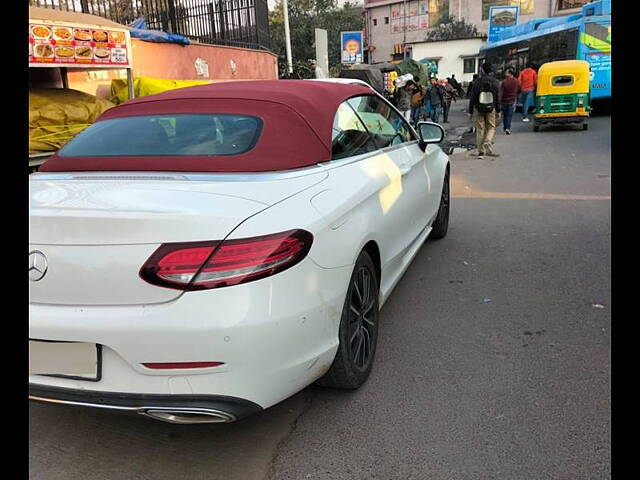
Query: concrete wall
x,y
450,51
177,62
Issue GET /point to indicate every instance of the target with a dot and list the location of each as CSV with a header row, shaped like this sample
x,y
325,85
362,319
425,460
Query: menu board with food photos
x,y
78,46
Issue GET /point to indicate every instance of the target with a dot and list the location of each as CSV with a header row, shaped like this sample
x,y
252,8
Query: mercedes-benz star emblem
x,y
37,265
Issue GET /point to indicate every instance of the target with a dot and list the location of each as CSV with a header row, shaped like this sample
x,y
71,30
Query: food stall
x,y
70,41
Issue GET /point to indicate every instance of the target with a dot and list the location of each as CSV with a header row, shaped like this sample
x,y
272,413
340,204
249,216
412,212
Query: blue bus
x,y
582,36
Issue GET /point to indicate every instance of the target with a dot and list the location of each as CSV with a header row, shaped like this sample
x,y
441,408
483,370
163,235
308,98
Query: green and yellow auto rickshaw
x,y
562,94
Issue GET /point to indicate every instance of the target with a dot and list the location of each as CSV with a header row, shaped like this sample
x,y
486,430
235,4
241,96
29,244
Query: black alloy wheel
x,y
361,318
358,331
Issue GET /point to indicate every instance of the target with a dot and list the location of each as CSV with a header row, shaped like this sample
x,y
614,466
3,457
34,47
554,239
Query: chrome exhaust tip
x,y
188,415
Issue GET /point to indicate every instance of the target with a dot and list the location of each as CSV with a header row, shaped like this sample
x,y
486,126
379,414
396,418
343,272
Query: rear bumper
x,y
170,408
275,336
542,120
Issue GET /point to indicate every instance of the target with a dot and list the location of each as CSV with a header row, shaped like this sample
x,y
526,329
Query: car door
x,y
398,143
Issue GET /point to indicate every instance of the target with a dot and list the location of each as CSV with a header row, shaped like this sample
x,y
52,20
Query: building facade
x,y
393,28
451,57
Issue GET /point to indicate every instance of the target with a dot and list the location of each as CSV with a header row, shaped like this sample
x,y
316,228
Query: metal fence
x,y
243,23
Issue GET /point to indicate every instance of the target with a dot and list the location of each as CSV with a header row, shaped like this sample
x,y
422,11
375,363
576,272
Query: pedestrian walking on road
x,y
469,88
527,78
455,84
449,94
435,94
417,103
484,105
508,92
403,98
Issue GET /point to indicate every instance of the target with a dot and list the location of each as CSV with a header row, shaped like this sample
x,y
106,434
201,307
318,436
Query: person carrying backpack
x,y
484,105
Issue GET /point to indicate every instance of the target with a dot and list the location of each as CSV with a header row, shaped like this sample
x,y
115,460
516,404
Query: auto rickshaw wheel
x,y
585,126
536,128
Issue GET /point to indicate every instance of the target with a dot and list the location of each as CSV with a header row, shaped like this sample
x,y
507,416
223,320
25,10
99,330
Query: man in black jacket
x,y
484,105
435,99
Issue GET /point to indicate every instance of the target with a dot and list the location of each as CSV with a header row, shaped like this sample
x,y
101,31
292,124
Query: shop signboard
x,y
501,18
351,47
414,17
64,44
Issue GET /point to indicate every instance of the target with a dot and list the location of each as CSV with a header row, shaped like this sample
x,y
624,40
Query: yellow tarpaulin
x,y
56,115
144,86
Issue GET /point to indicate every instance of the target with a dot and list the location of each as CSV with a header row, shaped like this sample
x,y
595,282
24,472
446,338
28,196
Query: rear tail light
x,y
202,265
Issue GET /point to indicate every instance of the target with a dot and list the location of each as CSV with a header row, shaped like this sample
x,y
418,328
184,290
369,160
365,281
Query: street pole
x,y
287,35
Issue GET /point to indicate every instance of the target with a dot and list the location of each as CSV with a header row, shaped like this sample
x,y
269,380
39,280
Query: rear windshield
x,y
562,81
167,135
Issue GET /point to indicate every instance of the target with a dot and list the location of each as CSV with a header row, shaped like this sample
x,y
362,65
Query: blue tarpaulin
x,y
139,30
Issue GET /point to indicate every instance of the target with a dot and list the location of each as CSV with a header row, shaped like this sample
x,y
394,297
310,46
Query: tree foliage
x,y
452,28
304,17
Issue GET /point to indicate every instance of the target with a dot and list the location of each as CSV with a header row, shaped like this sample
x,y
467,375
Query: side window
x,y
385,125
349,136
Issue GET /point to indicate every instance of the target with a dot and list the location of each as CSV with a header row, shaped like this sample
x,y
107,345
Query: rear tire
x,y
536,128
441,223
585,126
358,331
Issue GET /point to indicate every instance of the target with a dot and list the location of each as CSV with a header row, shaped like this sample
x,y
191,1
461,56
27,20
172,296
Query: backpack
x,y
485,100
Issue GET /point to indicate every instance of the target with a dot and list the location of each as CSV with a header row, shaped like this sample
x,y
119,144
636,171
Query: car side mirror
x,y
429,133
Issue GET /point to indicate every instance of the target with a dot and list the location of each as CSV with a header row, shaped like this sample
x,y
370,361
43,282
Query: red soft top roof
x,y
297,116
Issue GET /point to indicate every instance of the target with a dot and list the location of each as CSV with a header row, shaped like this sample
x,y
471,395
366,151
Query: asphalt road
x,y
493,361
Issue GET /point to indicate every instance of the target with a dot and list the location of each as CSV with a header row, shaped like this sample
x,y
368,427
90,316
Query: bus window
x,y
597,36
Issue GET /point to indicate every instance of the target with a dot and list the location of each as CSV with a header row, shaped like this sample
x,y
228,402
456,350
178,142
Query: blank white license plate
x,y
68,359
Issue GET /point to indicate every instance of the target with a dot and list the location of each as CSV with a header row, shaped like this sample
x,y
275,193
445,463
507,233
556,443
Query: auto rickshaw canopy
x,y
564,77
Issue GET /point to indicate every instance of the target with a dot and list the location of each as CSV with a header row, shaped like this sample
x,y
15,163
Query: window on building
x,y
469,65
438,11
386,20
526,6
375,22
567,4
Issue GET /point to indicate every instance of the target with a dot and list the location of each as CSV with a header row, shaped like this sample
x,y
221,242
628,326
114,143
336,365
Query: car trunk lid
x,y
96,231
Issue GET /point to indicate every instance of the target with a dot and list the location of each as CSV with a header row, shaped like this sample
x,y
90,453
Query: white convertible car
x,y
203,254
